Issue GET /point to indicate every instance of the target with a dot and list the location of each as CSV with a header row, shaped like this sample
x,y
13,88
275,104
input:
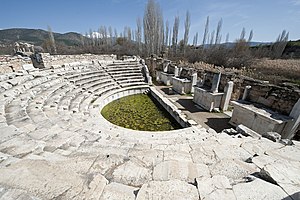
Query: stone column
x,y
176,71
292,126
246,92
194,81
215,83
226,96
165,67
158,76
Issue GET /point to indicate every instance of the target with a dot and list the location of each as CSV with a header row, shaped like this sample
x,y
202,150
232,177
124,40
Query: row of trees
x,y
154,35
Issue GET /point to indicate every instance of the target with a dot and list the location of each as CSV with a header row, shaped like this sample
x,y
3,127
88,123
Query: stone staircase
x,y
54,144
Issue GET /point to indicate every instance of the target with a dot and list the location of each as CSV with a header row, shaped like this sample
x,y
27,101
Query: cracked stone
x,y
216,187
116,191
181,170
131,173
259,190
168,190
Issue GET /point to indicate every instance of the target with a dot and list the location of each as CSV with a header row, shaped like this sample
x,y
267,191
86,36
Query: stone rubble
x,y
54,144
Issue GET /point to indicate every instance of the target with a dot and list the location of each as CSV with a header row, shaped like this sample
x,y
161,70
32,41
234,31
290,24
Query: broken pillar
x,y
226,96
165,67
215,83
176,71
246,92
194,82
293,126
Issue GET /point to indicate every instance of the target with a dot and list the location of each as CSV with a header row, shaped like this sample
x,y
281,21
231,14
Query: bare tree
x,y
160,36
139,34
187,25
175,34
250,36
280,44
115,36
110,33
195,40
129,36
153,28
103,35
167,33
91,36
205,31
218,33
170,38
52,40
243,34
227,38
212,36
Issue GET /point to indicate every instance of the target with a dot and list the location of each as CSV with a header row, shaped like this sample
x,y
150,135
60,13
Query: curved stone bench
x,y
67,155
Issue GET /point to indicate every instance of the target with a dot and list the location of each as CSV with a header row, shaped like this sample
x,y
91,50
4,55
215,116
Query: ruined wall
x,y
50,60
13,63
278,98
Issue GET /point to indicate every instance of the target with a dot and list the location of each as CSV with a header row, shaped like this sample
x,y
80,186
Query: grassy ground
x,y
138,112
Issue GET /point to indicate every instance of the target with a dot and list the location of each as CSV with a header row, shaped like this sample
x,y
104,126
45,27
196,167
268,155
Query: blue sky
x,y
267,18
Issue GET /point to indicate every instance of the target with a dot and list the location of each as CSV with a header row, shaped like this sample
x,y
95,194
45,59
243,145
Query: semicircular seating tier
x,y
54,143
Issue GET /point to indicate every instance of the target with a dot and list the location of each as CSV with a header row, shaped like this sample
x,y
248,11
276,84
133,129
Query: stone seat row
x,y
59,153
55,99
35,83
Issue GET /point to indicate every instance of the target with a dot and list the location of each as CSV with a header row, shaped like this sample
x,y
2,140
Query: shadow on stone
x,y
218,124
264,175
135,192
168,91
189,105
294,196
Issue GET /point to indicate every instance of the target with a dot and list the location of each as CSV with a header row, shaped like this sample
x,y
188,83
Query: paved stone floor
x,y
214,120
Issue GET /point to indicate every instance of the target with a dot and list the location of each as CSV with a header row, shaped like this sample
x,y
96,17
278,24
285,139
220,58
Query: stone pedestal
x,y
207,100
260,120
164,77
182,86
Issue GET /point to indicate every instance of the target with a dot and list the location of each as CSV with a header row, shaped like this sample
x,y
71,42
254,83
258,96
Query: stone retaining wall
x,y
168,105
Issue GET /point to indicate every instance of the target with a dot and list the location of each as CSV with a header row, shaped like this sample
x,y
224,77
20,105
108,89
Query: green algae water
x,y
139,112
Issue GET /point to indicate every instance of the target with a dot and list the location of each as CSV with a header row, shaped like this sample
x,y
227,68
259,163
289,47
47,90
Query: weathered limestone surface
x,y
169,190
54,144
132,173
181,170
116,191
259,189
216,187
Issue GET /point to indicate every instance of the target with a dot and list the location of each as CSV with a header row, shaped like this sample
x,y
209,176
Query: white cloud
x,y
296,2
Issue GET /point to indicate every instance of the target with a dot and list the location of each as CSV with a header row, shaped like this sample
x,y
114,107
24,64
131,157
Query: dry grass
x,y
275,71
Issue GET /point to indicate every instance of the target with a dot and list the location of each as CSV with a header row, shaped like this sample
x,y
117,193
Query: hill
x,y
37,37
